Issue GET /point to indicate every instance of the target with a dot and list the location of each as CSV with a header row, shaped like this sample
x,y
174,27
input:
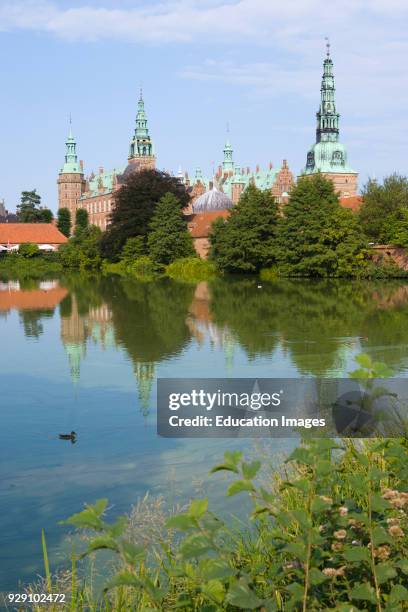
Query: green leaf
x,y
100,543
123,578
398,593
214,589
301,455
198,507
402,565
379,504
320,505
364,360
240,595
380,536
215,569
239,486
357,554
183,522
89,518
384,572
267,496
303,484
228,467
323,468
363,591
194,546
297,549
296,591
250,470
132,553
118,527
316,576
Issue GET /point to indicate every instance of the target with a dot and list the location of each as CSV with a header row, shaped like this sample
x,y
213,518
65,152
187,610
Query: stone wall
x,y
385,252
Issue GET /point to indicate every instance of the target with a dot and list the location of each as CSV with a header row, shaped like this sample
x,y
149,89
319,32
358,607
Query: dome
x,y
327,156
212,200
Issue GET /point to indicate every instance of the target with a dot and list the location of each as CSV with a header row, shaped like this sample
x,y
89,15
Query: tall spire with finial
x,y
328,155
71,158
228,163
141,144
327,116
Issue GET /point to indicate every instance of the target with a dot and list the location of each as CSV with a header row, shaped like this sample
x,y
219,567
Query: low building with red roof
x,y
45,235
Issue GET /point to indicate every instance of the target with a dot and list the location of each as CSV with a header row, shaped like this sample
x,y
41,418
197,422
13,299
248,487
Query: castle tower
x,y
141,152
328,155
238,185
228,164
71,181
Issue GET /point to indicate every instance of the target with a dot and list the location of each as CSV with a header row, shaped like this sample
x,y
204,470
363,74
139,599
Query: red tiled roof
x,y
352,202
39,233
32,300
199,224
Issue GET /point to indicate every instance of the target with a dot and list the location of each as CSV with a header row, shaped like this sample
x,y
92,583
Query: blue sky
x,y
255,64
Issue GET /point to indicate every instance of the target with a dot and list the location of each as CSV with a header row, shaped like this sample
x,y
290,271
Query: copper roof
x,y
39,233
199,224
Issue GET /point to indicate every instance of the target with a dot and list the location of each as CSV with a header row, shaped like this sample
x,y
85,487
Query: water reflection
x,y
313,324
80,353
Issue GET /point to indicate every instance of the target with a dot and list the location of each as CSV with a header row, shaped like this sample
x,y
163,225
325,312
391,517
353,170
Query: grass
x,y
17,267
191,270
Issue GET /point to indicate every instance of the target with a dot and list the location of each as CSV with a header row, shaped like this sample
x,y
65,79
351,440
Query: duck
x,y
71,436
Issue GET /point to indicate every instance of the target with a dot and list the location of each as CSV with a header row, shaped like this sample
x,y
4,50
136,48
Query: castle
x,y
218,193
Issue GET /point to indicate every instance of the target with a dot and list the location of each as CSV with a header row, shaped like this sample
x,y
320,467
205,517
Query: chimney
x,y
100,169
248,170
257,168
81,164
284,163
270,166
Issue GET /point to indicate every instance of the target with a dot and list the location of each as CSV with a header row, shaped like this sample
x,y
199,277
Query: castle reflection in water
x,y
313,326
83,323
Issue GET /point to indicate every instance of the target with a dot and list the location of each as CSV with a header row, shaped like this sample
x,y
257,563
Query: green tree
x,y
64,221
135,203
169,238
45,215
81,221
383,207
28,210
28,249
245,242
133,249
317,237
399,230
82,252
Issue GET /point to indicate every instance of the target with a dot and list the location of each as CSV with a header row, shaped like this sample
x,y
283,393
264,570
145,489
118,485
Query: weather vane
x,y
327,45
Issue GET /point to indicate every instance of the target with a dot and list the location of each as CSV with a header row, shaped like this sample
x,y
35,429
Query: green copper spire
x,y
228,164
71,158
327,116
328,155
141,144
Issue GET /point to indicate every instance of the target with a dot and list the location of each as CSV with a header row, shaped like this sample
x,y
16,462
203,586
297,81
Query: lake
x,y
84,354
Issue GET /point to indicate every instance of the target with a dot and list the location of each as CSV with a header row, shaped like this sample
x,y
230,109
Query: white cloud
x,y
187,20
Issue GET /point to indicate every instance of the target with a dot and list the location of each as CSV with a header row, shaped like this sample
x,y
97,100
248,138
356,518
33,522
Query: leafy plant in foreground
x,y
332,536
